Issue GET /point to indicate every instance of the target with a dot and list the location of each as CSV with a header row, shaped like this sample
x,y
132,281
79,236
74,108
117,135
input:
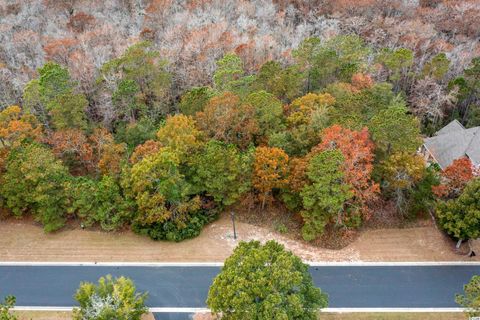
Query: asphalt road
x,y
347,286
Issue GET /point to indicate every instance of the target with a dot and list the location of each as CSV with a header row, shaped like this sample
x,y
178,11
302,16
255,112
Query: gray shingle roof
x,y
451,127
454,142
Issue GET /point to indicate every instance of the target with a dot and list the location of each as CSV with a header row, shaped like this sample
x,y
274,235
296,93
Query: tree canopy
x,y
265,282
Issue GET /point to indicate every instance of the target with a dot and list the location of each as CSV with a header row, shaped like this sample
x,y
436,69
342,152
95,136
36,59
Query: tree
x,y
142,150
270,170
454,179
357,150
398,64
470,300
461,217
284,83
222,172
394,130
306,117
268,113
230,75
429,102
437,67
99,202
73,147
336,59
8,303
159,188
52,98
195,99
324,198
109,299
180,134
227,119
467,89
138,84
400,172
16,126
265,282
109,155
33,182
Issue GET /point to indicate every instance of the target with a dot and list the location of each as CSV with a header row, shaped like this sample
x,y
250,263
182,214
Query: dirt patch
x,y
50,315
371,316
23,241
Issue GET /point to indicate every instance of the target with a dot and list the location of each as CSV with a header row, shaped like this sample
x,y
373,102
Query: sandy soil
x,y
48,315
373,316
23,241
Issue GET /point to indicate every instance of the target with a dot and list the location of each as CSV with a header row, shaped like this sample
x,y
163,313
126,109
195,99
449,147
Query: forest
x,y
159,115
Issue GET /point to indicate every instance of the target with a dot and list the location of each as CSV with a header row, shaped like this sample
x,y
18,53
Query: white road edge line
x,y
220,264
204,310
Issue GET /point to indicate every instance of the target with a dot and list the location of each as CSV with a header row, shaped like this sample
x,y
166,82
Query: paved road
x,y
347,286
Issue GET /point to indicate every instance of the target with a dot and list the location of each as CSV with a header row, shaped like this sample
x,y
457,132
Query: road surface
x,y
411,286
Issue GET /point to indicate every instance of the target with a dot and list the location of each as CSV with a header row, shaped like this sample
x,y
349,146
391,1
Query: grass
x,y
392,316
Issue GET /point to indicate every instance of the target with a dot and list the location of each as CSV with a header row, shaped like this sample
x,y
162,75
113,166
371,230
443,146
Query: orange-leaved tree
x,y
270,171
454,179
73,147
226,119
358,152
145,149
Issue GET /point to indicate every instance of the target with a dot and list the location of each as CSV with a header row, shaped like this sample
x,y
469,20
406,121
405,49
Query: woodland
x,y
158,115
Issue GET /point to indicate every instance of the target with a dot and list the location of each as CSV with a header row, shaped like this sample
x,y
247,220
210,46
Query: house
x,y
452,142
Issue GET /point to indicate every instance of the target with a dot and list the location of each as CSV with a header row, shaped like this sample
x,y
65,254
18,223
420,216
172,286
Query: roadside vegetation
x,y
328,144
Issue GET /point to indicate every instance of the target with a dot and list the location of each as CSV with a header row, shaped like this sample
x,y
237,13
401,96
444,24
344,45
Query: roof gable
x,y
453,126
453,142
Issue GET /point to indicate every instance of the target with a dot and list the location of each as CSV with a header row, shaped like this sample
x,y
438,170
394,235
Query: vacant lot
x,y
24,241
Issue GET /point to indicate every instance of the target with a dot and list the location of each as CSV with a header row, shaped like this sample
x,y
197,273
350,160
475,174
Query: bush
x,y
172,231
110,299
8,303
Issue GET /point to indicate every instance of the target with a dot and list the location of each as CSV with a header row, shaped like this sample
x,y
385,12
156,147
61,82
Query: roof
x,y
453,142
453,126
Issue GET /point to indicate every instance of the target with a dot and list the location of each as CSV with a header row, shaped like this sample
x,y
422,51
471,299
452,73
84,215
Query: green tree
x,y
285,83
468,91
52,98
398,64
336,59
305,118
138,82
461,217
400,174
167,206
470,300
268,113
437,67
394,130
8,303
68,111
109,299
354,108
195,99
230,75
99,202
222,172
265,282
324,198
33,182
